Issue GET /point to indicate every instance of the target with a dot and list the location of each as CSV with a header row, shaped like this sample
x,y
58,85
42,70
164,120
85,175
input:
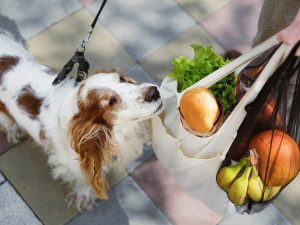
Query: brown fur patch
x,y
91,129
108,71
122,77
29,102
96,105
4,110
7,63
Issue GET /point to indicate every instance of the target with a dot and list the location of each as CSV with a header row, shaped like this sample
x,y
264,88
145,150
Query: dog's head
x,y
106,100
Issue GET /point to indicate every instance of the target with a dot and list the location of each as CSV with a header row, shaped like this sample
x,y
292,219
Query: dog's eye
x,y
122,79
111,101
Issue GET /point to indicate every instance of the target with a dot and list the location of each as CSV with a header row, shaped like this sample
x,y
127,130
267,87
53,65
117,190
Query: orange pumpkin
x,y
260,124
284,163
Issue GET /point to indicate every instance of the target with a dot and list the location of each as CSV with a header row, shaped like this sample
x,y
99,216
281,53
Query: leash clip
x,y
82,69
84,42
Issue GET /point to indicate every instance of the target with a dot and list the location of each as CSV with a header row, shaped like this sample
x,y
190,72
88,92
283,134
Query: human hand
x,y
291,34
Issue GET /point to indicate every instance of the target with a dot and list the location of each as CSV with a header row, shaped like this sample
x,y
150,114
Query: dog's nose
x,y
152,94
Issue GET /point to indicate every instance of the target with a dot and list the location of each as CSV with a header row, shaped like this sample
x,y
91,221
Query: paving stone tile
x,y
2,179
158,64
86,2
114,176
127,204
199,9
138,73
13,210
234,25
147,154
55,46
270,215
288,202
9,25
40,13
25,167
178,206
143,26
4,144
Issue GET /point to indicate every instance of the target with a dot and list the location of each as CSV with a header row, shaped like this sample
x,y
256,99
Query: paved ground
x,y
140,38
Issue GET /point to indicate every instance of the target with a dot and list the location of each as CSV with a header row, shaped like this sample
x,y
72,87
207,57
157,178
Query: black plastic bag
x,y
276,115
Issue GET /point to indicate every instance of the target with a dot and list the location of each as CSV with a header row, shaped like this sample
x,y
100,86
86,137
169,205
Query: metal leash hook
x,y
83,68
79,57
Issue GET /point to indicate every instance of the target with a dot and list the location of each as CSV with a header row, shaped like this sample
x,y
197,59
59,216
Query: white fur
x,y
59,106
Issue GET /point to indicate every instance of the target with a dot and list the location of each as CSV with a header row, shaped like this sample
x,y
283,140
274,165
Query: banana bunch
x,y
243,183
256,189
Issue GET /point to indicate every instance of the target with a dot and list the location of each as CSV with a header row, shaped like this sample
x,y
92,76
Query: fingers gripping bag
x,y
191,155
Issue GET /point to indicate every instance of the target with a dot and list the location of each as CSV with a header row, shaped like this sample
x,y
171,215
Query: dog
x,y
85,129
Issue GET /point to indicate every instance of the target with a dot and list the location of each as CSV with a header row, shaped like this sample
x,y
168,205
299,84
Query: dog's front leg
x,y
80,195
13,131
68,171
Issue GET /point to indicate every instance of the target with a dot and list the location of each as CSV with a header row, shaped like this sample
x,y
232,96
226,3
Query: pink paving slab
x,y
177,205
4,145
234,25
86,2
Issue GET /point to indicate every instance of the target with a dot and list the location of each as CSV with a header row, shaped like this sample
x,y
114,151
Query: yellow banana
x,y
237,193
270,192
256,186
228,174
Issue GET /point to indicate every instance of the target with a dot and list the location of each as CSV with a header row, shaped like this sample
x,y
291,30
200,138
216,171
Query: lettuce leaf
x,y
205,61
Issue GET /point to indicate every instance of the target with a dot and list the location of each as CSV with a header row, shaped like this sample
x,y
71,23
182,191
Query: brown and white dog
x,y
83,129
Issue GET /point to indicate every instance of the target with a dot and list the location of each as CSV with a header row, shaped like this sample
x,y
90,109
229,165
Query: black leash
x,y
79,56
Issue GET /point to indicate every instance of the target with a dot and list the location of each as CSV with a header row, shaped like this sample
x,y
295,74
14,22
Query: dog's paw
x,y
82,200
15,135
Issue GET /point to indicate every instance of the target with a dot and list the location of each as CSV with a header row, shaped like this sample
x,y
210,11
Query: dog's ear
x,y
92,142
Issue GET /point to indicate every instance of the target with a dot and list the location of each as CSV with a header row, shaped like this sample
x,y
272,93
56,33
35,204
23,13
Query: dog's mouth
x,y
159,108
157,111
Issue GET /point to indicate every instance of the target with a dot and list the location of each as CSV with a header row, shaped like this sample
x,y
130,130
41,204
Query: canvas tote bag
x,y
194,161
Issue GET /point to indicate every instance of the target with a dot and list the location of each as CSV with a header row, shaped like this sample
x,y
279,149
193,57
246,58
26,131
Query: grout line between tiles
x,y
212,36
26,203
53,24
150,199
214,11
136,179
2,182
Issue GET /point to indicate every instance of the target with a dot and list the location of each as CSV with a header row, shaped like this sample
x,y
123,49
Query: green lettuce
x,y
205,61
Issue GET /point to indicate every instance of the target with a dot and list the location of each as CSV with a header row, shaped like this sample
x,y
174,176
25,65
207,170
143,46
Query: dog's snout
x,y
152,94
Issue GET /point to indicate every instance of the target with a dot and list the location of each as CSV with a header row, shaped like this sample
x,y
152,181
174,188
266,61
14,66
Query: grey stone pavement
x,y
139,38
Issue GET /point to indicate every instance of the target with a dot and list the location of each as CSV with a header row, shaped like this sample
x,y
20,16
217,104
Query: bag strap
x,y
232,66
